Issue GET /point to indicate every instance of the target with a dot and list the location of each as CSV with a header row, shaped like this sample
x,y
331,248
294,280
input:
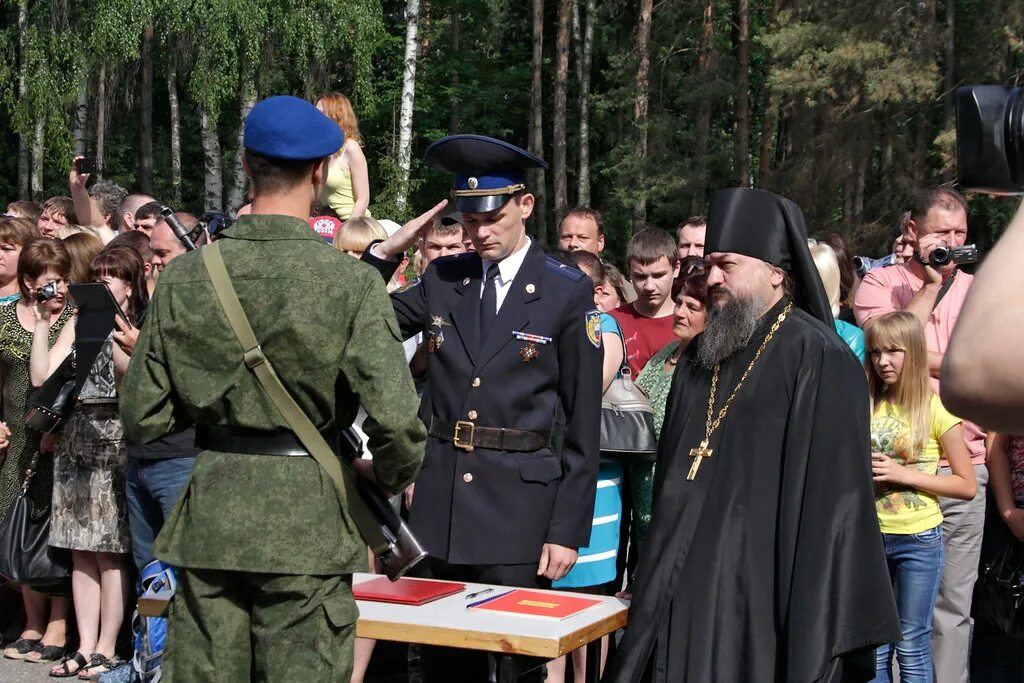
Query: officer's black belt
x,y
249,441
467,436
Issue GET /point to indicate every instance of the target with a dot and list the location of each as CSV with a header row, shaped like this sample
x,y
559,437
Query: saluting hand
x,y
556,561
407,235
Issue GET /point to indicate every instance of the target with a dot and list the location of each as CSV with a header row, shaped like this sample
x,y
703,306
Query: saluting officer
x,y
512,337
261,539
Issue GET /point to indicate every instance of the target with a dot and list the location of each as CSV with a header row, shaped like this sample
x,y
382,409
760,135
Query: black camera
x,y
942,254
990,138
47,291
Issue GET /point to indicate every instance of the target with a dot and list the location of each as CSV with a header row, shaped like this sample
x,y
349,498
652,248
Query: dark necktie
x,y
489,302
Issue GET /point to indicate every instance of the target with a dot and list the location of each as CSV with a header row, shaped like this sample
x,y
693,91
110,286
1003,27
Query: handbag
x,y
25,552
999,595
51,403
627,419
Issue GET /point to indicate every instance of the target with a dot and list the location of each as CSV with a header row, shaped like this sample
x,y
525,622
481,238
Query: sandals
x,y
98,665
45,653
21,647
78,659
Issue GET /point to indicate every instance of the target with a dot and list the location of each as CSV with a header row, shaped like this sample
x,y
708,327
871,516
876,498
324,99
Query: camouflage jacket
x,y
325,322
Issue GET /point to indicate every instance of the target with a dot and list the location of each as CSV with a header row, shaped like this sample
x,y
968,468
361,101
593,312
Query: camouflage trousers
x,y
238,626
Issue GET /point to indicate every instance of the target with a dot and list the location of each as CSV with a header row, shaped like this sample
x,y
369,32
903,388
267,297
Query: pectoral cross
x,y
698,454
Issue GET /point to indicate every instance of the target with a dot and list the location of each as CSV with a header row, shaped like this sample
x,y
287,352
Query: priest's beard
x,y
728,329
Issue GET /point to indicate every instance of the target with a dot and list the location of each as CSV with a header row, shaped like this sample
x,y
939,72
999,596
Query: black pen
x,y
479,593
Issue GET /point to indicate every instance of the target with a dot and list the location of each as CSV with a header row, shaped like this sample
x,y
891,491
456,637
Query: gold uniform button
x,y
471,414
476,382
467,477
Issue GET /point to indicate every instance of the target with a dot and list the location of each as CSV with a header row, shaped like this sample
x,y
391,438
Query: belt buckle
x,y
466,445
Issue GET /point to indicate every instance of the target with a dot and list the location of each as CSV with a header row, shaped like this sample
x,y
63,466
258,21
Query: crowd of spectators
x,y
109,497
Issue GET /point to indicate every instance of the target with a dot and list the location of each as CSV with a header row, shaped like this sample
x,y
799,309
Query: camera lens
x,y
990,138
939,256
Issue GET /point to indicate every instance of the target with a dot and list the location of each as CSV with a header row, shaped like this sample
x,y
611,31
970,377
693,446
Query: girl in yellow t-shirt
x,y
347,187
910,432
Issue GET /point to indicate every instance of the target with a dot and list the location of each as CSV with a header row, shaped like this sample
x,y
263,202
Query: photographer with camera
x,y
931,286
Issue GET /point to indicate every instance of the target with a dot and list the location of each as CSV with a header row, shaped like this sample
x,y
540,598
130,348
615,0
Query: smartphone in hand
x,y
85,165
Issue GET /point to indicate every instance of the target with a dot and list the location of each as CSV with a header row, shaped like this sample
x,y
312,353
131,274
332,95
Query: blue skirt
x,y
596,563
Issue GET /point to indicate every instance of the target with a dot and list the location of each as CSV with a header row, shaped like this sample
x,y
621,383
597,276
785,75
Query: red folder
x,y
405,591
535,604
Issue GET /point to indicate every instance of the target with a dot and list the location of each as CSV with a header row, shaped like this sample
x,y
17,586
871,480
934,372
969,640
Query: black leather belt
x,y
467,436
250,441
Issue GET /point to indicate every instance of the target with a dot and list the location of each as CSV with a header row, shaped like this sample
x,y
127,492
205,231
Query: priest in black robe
x,y
764,559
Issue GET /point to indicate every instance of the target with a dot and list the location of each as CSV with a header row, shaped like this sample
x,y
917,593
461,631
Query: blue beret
x,y
487,171
285,127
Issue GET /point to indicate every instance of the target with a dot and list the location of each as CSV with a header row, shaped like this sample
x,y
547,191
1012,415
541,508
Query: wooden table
x,y
447,622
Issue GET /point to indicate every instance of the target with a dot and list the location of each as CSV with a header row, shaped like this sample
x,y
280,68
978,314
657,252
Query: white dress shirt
x,y
507,270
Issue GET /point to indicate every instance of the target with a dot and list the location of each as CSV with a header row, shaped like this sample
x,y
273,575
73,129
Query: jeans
x,y
915,566
153,488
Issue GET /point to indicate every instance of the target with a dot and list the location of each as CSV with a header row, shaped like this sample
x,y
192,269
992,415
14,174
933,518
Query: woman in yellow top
x,y
347,190
910,432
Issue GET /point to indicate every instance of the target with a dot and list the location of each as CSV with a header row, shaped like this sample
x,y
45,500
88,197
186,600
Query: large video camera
x,y
990,138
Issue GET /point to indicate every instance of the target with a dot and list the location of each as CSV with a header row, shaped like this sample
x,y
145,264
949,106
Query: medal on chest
x,y
435,333
529,351
703,451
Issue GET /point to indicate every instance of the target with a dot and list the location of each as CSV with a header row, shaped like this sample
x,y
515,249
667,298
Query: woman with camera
x,y
90,511
42,265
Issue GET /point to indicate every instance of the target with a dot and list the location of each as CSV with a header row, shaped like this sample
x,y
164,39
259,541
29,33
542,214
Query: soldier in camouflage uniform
x,y
264,546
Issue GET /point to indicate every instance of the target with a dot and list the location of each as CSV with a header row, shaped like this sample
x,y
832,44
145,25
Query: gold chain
x,y
712,426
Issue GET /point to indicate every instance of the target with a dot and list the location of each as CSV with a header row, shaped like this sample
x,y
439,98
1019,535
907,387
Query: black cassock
x,y
769,565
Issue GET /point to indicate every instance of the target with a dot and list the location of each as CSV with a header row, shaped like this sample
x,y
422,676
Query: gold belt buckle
x,y
466,445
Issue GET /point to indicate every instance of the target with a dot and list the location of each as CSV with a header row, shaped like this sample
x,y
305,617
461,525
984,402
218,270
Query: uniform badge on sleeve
x,y
594,328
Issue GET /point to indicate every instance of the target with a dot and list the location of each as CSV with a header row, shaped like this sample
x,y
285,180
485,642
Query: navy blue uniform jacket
x,y
485,506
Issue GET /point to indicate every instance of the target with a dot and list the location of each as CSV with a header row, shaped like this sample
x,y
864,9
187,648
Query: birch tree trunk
x,y
455,122
213,199
38,149
145,178
101,119
742,143
643,48
80,117
583,181
558,127
23,146
247,99
412,25
705,61
536,125
172,97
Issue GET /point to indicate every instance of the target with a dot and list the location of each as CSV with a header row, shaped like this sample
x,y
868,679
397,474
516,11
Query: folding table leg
x,y
508,669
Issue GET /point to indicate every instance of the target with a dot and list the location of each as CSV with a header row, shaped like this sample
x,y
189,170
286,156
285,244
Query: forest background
x,y
641,107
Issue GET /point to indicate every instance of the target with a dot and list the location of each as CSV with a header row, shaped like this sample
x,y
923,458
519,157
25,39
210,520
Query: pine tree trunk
x,y
247,98
38,150
172,97
455,123
101,119
536,124
583,181
768,120
23,145
213,199
145,151
742,142
79,119
949,78
705,62
558,125
643,50
412,19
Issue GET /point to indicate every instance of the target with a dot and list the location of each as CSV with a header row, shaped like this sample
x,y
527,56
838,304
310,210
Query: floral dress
x,y
15,346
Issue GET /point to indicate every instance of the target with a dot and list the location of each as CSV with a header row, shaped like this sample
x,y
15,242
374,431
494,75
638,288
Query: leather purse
x,y
627,419
999,594
25,552
51,403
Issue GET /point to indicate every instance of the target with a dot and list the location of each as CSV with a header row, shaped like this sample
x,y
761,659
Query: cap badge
x,y
472,183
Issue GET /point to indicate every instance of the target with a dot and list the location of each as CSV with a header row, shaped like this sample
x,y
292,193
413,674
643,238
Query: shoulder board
x,y
568,272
